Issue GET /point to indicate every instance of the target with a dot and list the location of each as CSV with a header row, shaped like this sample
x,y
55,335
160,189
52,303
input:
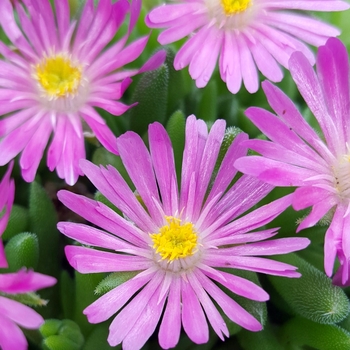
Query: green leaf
x,y
43,221
263,340
177,87
301,331
207,106
313,295
151,93
176,130
67,293
97,340
18,222
114,280
22,251
85,285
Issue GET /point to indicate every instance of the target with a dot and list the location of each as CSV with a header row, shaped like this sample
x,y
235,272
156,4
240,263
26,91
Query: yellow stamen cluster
x,y
58,76
232,7
175,241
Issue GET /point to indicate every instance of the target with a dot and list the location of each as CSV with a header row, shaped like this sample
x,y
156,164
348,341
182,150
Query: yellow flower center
x,y
58,76
232,7
175,241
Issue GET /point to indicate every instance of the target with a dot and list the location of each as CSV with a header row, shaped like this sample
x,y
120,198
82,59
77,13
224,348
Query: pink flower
x,y
56,76
13,314
7,193
297,156
246,35
176,241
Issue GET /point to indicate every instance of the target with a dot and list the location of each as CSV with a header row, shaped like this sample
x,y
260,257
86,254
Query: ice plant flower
x,y
246,36
13,314
175,242
7,193
318,165
56,74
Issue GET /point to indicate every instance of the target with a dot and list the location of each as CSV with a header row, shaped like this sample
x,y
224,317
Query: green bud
x,y
61,335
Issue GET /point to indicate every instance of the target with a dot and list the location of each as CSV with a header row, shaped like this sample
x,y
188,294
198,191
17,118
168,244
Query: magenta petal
x,y
11,336
111,302
86,260
193,318
21,314
169,331
127,318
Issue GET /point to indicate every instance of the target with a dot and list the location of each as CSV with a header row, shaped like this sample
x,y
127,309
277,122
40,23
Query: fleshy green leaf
x,y
151,93
207,107
22,251
313,295
176,130
263,340
42,222
18,222
301,331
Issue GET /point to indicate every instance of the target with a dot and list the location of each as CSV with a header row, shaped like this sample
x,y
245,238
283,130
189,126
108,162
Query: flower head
x,y
13,314
176,241
58,72
7,193
246,36
297,156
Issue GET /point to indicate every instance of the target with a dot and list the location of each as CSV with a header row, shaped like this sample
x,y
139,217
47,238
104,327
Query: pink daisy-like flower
x,y
246,35
176,241
297,156
7,193
13,314
55,77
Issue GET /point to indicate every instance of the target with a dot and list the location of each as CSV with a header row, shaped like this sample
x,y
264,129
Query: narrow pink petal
x,y
127,318
138,164
24,282
233,310
145,324
34,150
164,166
256,264
273,172
170,327
101,130
93,237
211,312
309,87
208,161
271,247
86,260
197,331
110,303
11,336
319,210
21,314
307,196
248,67
333,74
239,286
